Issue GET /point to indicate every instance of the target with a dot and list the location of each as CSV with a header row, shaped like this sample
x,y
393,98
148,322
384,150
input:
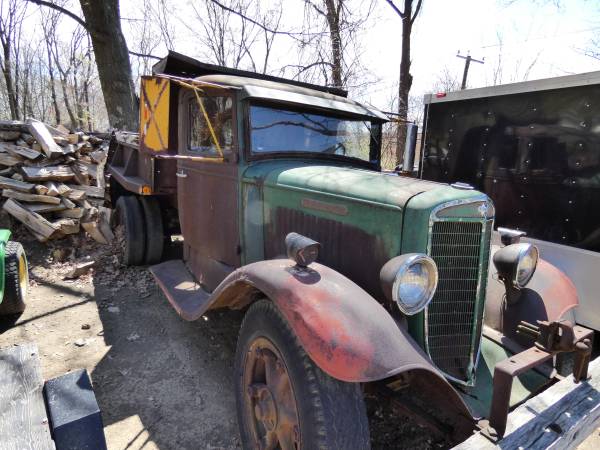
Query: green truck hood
x,y
343,182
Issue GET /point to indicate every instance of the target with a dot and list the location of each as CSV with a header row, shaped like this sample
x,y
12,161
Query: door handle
x,y
181,174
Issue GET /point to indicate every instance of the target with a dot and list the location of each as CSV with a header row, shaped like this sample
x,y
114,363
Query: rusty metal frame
x,y
552,338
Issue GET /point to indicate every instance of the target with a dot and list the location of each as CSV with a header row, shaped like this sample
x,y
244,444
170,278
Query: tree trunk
x,y
405,80
10,88
333,20
112,58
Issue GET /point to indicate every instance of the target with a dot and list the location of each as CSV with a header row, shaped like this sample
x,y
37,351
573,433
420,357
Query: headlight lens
x,y
415,283
528,258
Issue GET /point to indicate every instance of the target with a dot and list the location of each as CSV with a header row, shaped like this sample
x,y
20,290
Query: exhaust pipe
x,y
408,160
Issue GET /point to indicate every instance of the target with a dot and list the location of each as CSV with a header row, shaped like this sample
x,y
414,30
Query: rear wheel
x,y
129,230
283,400
16,279
155,237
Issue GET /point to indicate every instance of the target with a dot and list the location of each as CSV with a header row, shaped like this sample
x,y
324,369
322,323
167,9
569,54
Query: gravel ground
x,y
161,382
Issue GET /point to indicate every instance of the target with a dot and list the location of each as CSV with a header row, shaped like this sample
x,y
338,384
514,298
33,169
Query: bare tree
x,y
408,16
103,23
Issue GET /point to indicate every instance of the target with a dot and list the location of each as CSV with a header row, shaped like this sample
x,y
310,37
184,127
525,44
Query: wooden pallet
x,y
23,419
561,417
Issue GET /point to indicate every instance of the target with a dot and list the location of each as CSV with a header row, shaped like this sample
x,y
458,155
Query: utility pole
x,y
468,60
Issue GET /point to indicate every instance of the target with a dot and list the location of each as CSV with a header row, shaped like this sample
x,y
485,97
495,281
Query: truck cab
x,y
348,276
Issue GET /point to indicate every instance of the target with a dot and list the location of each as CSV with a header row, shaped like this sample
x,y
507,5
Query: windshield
x,y
276,130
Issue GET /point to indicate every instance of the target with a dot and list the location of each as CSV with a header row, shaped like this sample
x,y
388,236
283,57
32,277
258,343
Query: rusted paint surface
x,y
549,296
344,330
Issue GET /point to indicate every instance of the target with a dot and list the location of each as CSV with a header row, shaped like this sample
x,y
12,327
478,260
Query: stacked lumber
x,y
52,180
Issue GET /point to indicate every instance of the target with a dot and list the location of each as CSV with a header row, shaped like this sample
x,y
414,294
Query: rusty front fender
x,y
344,330
548,296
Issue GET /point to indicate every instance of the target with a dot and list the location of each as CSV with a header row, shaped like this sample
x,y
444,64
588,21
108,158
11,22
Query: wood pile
x,y
52,180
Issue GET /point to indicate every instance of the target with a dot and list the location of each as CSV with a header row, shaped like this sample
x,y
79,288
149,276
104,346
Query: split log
x,y
75,194
15,185
73,138
41,189
92,229
9,193
44,138
81,178
104,223
10,160
91,191
31,220
63,189
9,135
63,130
68,203
54,173
72,213
61,140
66,226
79,270
43,208
52,189
20,150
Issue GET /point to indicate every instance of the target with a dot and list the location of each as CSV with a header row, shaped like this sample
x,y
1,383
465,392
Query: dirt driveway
x,y
161,382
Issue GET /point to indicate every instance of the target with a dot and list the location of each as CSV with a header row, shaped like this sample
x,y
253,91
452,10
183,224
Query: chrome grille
x,y
453,316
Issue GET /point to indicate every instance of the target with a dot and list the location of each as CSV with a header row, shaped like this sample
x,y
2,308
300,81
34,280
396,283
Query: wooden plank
x,y
50,173
15,185
39,131
23,422
91,191
68,203
35,198
31,220
75,194
561,417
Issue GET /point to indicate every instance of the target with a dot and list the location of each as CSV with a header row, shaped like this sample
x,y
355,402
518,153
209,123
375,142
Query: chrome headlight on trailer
x,y
410,280
516,263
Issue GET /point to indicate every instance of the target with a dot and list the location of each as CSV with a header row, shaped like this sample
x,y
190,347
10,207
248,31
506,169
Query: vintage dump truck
x,y
350,278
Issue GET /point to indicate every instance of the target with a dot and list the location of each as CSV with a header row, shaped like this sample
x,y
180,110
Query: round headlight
x,y
414,283
527,262
516,263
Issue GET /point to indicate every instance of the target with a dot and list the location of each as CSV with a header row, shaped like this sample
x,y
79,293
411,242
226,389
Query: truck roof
x,y
290,93
546,84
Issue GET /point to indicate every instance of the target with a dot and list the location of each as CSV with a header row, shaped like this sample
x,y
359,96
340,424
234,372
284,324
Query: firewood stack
x,y
53,180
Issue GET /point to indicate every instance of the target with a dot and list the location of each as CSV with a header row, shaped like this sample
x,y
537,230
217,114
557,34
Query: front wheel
x,y
283,400
16,279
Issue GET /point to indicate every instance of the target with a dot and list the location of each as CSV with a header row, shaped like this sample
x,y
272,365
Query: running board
x,y
185,294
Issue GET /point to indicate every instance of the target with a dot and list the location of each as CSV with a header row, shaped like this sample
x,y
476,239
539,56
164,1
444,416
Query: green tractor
x,y
14,275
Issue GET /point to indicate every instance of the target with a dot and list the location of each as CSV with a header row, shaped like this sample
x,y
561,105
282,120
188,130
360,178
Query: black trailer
x,y
534,148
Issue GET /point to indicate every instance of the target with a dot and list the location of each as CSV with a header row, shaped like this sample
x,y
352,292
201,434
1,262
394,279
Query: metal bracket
x,y
551,338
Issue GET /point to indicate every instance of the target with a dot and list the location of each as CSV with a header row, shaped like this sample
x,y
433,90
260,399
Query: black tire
x,y
130,230
155,236
331,413
16,279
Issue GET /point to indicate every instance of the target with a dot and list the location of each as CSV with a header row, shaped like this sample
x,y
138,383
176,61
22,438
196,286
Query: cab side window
x,y
217,114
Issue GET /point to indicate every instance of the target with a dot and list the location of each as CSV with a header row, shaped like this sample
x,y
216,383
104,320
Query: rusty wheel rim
x,y
270,404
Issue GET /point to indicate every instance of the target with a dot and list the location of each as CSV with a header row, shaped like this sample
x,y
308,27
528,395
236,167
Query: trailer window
x,y
201,139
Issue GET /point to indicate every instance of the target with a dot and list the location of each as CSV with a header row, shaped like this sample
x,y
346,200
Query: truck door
x,y
207,184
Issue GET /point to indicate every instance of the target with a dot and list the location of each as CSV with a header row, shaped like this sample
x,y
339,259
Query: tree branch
x,y
395,8
64,11
245,17
143,55
417,10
